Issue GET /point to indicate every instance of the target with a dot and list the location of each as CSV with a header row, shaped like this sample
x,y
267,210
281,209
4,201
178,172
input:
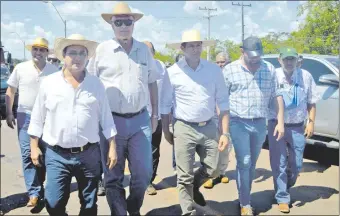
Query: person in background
x,y
51,58
299,61
26,78
222,59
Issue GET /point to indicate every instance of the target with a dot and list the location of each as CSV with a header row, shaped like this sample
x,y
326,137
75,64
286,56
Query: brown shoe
x,y
32,202
284,208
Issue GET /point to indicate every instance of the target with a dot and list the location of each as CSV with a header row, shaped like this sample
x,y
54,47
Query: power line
x,y
208,17
242,5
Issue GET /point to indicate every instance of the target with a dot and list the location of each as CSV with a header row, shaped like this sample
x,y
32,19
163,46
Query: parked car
x,y
5,73
325,71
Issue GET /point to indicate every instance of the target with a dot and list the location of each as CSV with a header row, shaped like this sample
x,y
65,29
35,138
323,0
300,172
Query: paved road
x,y
316,192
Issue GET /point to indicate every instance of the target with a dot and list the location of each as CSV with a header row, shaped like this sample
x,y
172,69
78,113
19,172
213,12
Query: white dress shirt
x,y
26,78
70,117
161,68
125,75
194,94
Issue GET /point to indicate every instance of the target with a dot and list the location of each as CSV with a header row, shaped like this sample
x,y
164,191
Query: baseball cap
x,y
252,46
288,52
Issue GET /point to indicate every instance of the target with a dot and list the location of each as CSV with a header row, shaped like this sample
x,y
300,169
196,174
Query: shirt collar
x,y
183,63
85,77
117,46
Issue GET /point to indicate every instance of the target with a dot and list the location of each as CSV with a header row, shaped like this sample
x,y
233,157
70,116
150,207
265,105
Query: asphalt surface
x,y
316,191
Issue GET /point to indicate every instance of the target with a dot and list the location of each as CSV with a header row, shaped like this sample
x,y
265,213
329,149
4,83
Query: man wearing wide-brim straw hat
x,y
196,86
70,107
26,78
128,71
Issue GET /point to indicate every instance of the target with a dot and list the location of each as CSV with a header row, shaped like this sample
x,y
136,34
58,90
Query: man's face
x,y
192,50
288,64
254,61
39,54
75,58
122,26
54,61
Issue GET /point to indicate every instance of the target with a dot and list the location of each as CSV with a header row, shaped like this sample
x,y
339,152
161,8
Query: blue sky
x,y
163,21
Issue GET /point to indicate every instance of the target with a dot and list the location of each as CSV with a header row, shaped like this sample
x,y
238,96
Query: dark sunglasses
x,y
40,49
126,22
52,60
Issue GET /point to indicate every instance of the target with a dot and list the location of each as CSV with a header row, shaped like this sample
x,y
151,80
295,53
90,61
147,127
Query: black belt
x,y
73,150
128,115
251,119
290,124
200,124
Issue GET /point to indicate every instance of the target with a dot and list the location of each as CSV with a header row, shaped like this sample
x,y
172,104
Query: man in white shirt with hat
x,y
128,71
70,106
26,78
193,87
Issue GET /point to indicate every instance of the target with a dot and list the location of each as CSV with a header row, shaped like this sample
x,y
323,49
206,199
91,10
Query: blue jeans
x,y
61,167
247,137
133,142
173,157
293,141
34,176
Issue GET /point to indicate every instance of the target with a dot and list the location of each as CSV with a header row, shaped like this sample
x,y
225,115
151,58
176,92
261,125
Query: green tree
x,y
320,31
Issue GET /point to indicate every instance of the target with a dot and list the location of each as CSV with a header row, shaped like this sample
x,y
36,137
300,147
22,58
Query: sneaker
x,y
224,179
101,189
209,184
247,211
151,190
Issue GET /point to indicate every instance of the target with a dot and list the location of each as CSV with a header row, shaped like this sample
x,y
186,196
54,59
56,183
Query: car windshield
x,y
335,61
4,71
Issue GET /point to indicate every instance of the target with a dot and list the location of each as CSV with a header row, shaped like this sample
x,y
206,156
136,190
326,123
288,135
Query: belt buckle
x,y
202,124
74,152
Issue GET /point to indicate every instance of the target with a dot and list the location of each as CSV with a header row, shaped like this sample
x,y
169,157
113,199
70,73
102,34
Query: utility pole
x,y
208,17
242,5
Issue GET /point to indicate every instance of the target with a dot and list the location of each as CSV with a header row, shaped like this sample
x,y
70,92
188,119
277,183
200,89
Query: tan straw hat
x,y
75,39
38,42
191,36
121,8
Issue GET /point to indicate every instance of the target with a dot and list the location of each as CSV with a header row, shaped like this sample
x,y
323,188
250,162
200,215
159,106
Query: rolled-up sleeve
x,y
153,74
222,94
38,114
312,95
106,120
13,80
166,95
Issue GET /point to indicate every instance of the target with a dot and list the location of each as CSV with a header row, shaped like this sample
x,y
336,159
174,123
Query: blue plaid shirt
x,y
250,93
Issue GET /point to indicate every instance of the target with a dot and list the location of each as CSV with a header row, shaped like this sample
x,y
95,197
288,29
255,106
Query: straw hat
x,y
38,42
121,8
75,39
191,36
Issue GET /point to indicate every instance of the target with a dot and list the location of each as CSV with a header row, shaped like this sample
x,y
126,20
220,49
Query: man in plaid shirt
x,y
251,83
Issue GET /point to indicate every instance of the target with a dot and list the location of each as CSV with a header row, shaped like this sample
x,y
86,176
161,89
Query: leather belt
x,y
128,115
73,150
290,124
200,124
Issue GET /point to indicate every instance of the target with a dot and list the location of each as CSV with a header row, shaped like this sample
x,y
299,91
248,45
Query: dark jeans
x,y
61,167
156,141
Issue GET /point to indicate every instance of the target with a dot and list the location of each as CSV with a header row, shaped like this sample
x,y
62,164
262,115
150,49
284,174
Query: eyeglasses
x,y
35,49
75,54
119,23
53,60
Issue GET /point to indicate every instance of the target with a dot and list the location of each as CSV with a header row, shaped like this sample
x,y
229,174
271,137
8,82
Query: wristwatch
x,y
227,135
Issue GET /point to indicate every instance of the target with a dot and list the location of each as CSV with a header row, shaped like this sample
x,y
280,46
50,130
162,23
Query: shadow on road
x,y
170,210
314,167
261,173
13,202
168,182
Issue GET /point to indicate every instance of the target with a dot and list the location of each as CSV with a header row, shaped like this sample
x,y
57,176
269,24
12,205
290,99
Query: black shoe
x,y
199,198
101,189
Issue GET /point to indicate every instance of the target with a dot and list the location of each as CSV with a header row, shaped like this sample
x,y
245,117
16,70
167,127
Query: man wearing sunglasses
x,y
128,71
51,58
26,77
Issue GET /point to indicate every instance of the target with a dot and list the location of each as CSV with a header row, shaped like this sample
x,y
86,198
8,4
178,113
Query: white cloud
x,y
27,20
225,27
278,11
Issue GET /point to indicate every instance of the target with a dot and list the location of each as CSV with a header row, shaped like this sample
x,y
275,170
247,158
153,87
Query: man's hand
x,y
154,123
223,142
279,131
111,156
309,130
35,156
169,137
10,120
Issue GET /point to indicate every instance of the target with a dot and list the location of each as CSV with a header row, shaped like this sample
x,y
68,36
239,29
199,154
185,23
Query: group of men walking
x,y
111,101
